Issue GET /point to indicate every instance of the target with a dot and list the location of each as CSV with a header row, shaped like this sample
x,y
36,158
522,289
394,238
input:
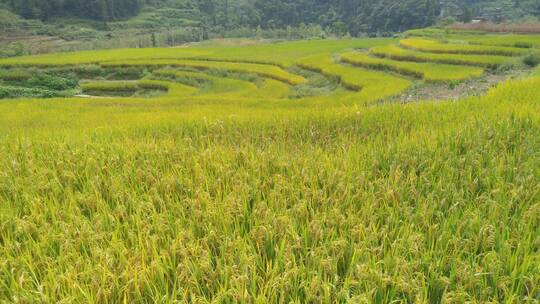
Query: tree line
x,y
341,16
92,9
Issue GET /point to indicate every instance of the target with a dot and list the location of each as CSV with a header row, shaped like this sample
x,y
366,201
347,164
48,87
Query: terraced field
x,y
278,173
388,69
434,46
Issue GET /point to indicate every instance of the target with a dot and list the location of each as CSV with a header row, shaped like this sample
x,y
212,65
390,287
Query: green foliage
x,y
433,46
13,49
466,15
523,44
51,82
16,83
427,71
478,37
265,70
397,53
219,16
532,59
110,86
15,75
20,92
349,16
99,9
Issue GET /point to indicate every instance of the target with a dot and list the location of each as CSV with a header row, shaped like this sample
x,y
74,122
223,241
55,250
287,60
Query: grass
x,y
110,86
173,90
283,54
265,70
433,46
523,27
89,57
15,75
271,89
225,88
397,53
372,85
195,197
210,84
287,54
532,60
427,71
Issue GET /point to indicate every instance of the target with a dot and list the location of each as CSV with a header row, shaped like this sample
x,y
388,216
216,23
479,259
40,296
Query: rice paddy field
x,y
276,173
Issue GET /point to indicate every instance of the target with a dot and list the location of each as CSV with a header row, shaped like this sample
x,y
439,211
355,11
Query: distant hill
x,y
339,16
344,16
45,25
491,9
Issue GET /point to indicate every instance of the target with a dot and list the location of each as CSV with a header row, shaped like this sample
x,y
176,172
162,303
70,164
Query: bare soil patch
x,y
444,91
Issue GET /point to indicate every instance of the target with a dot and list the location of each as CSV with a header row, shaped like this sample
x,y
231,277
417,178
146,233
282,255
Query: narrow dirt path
x,y
444,91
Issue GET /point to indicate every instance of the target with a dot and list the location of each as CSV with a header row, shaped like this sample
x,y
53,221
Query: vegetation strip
x,y
259,69
427,71
397,53
376,85
433,46
221,185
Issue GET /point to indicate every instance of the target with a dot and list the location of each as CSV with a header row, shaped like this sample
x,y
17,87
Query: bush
x,y
15,75
523,44
129,73
17,92
88,71
50,82
532,60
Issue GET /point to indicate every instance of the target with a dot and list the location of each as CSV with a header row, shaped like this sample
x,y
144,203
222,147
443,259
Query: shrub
x,y
523,44
15,75
89,71
17,92
532,60
51,82
129,73
397,53
110,86
426,71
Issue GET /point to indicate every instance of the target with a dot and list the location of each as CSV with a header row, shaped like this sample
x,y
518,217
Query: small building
x,y
479,19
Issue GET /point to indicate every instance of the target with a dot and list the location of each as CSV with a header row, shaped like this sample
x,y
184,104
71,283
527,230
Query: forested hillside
x,y
351,16
342,16
93,9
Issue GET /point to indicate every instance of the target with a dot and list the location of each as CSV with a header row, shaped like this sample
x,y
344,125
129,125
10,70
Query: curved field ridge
x,y
173,90
433,46
397,53
265,70
427,71
231,88
88,57
224,189
479,37
372,85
